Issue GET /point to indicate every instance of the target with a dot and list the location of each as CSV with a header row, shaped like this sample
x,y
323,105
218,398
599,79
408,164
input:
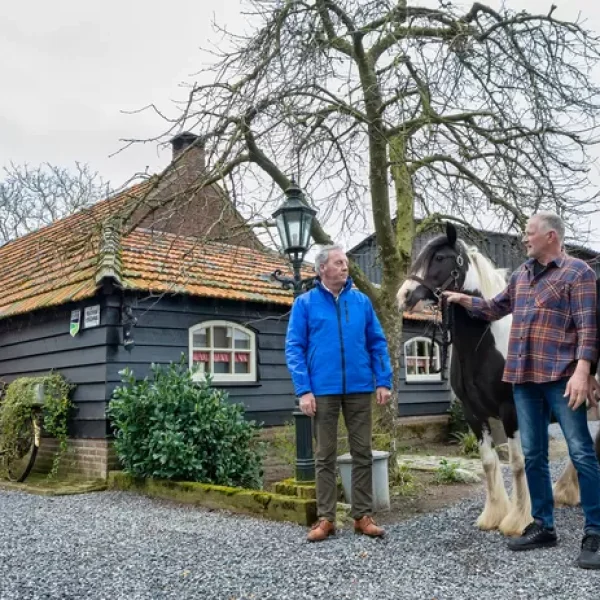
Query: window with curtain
x,y
225,350
416,360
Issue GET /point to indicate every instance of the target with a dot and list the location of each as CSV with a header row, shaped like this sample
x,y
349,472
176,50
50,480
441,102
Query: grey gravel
x,y
120,545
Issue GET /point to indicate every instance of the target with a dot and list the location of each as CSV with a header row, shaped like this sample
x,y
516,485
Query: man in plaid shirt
x,y
553,343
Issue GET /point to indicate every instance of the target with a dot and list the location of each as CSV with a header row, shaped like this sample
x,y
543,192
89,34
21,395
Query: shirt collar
x,y
556,262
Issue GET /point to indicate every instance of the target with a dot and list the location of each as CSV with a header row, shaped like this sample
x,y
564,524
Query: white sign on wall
x,y
91,316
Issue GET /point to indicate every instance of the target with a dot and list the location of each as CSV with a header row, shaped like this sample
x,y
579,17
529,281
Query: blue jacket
x,y
336,347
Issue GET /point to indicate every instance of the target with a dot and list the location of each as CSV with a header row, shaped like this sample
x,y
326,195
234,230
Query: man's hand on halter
x,y
458,298
308,404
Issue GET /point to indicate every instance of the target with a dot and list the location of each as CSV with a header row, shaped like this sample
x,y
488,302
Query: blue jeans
x,y
534,403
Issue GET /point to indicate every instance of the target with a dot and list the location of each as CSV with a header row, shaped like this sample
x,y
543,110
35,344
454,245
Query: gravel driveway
x,y
117,545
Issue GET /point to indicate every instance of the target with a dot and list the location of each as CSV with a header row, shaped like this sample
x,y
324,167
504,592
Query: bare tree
x,y
390,110
31,197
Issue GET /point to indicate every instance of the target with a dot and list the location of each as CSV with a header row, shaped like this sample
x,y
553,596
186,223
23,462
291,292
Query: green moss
x,y
290,487
272,506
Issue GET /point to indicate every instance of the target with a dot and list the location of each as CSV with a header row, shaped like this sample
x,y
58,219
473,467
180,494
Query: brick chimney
x,y
187,147
184,206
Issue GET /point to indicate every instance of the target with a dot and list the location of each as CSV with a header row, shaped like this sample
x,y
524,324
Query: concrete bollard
x,y
381,486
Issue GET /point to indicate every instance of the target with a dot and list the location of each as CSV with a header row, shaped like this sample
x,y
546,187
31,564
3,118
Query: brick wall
x,y
90,458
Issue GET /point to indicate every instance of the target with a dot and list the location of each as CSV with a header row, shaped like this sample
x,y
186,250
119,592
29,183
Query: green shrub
x,y
447,472
402,481
468,443
456,423
169,427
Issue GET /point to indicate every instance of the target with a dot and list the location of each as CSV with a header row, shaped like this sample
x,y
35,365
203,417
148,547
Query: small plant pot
x,y
381,486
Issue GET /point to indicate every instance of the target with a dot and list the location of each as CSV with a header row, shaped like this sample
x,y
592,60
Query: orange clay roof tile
x,y
58,264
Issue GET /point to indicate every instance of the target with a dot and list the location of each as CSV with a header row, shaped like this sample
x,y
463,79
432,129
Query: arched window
x,y
416,360
225,350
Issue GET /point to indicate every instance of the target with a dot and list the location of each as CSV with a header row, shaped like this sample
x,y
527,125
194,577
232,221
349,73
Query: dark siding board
x,y
417,396
419,410
93,411
61,360
89,392
154,336
76,375
272,357
425,387
15,331
87,374
277,372
271,342
144,355
57,344
93,428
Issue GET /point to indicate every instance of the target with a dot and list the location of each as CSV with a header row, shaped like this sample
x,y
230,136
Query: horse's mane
x,y
491,279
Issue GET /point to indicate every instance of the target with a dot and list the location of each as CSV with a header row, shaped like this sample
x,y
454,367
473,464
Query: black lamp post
x,y
294,219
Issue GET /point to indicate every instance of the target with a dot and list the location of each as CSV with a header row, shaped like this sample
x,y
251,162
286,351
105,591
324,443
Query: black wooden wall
x,y
162,333
38,343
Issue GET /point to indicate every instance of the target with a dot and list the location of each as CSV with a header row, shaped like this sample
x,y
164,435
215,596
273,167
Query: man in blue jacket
x,y
337,356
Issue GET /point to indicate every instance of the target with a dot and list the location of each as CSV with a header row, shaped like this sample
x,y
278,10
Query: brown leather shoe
x,y
321,530
367,526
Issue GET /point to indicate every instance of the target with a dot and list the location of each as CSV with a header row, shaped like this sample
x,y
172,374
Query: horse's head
x,y
442,265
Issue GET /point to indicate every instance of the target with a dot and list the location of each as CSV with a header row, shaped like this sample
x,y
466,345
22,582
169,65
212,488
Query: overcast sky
x,y
70,69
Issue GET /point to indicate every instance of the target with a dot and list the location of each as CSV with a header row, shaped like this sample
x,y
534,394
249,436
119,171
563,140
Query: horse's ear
x,y
451,233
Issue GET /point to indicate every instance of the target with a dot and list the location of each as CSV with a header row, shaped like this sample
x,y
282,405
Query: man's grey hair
x,y
323,255
551,222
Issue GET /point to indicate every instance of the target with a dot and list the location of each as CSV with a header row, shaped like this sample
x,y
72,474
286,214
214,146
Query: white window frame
x,y
420,377
223,377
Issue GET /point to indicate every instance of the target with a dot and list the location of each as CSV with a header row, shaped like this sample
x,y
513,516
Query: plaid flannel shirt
x,y
554,320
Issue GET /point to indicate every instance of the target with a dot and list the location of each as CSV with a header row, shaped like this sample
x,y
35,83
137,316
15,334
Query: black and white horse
x,y
479,350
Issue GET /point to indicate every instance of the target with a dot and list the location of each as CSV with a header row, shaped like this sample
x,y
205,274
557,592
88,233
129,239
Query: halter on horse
x,y
444,325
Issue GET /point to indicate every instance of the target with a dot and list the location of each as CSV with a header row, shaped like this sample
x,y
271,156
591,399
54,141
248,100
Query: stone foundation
x,y
90,458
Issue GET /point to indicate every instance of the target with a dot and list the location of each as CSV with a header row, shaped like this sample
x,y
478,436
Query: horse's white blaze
x,y
519,515
409,286
497,504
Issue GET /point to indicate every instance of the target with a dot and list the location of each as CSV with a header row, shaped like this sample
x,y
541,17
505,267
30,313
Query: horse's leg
x,y
497,504
566,488
519,515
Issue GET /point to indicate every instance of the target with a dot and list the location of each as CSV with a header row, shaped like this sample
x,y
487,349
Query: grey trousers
x,y
356,409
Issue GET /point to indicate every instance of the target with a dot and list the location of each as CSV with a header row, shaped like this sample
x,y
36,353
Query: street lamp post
x,y
294,219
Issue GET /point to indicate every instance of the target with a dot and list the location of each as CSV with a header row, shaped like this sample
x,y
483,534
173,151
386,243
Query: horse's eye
x,y
439,258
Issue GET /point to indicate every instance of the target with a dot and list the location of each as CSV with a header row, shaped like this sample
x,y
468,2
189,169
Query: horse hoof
x,y
513,525
487,522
